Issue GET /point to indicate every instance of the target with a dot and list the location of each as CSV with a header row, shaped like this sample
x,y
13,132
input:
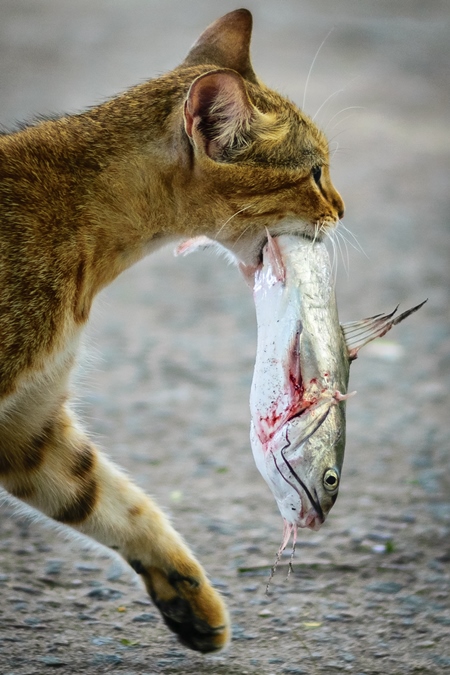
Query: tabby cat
x,y
206,149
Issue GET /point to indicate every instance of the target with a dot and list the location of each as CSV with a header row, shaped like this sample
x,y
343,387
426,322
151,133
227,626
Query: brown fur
x,y
204,150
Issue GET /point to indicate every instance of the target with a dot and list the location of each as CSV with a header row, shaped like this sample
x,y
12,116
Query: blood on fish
x,y
296,384
268,426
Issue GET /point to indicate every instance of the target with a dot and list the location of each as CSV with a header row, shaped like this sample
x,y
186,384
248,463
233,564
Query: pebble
x,y
103,593
294,670
380,536
53,567
141,601
20,606
442,660
175,655
240,634
379,548
52,661
389,587
335,665
32,621
28,589
412,603
348,657
258,601
87,617
408,622
277,619
85,567
334,617
146,617
101,640
107,659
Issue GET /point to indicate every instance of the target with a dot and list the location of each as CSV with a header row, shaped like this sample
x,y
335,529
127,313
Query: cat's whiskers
x,y
312,65
333,138
356,245
350,107
345,261
335,150
317,227
334,259
335,93
245,208
249,226
340,240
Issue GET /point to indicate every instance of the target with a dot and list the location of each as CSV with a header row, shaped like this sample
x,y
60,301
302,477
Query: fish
x,y
300,381
299,387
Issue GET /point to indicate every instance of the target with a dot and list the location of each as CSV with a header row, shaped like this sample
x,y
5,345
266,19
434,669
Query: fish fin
x,y
194,244
275,258
338,397
359,333
297,434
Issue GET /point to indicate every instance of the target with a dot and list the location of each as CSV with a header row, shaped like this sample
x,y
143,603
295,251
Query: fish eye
x,y
331,480
316,173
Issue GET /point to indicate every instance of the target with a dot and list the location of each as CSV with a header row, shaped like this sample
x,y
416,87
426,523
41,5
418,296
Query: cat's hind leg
x,y
61,473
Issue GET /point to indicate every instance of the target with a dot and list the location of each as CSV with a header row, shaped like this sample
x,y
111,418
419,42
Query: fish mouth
x,y
311,514
312,517
315,503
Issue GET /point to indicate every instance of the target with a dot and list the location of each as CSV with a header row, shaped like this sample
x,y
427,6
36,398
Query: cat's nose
x,y
341,213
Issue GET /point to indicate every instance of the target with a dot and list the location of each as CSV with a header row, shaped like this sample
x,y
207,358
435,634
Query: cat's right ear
x,y
218,113
226,44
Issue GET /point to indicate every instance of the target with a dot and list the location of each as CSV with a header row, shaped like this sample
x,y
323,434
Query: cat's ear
x,y
226,44
217,113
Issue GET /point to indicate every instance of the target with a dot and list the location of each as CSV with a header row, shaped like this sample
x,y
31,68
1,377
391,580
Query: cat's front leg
x,y
61,473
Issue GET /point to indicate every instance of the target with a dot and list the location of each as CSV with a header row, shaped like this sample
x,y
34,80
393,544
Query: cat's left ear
x,y
218,113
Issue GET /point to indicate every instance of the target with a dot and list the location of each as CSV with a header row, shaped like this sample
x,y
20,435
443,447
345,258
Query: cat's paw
x,y
190,607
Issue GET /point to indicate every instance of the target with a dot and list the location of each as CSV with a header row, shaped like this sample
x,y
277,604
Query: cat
x,y
205,149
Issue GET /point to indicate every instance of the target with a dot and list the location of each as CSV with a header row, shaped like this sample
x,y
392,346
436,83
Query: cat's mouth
x,y
249,251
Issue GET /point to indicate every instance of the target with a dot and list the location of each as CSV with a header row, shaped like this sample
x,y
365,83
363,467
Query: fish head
x,y
302,465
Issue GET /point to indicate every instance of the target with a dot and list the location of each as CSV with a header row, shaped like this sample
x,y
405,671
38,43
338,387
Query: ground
x,y
169,355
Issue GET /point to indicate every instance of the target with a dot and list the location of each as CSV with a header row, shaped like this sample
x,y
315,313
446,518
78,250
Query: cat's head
x,y
262,161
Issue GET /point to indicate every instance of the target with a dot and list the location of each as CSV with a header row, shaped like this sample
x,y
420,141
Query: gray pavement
x,y
168,361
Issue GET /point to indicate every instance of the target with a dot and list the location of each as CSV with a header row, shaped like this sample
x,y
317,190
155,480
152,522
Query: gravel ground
x,y
169,355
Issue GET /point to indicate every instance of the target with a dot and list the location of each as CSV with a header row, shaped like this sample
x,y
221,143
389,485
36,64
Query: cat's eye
x,y
317,174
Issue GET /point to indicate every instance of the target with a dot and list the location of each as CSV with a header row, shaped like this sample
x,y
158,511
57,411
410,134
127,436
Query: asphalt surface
x,y
165,375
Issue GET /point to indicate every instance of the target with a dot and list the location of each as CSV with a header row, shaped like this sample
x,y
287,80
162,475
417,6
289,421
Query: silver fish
x,y
300,380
